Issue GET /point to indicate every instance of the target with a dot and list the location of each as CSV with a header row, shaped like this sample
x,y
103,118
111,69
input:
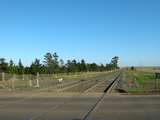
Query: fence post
x,y
13,79
157,84
30,80
3,76
23,77
56,75
30,83
37,80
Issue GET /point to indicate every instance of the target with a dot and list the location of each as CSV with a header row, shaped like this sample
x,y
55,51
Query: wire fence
x,y
140,82
12,82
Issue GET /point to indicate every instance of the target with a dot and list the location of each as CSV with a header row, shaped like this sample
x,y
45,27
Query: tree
x,y
61,63
68,66
62,66
56,63
12,68
55,57
114,62
27,70
48,62
48,59
132,68
35,67
20,67
108,67
74,66
93,67
102,68
51,63
3,65
83,66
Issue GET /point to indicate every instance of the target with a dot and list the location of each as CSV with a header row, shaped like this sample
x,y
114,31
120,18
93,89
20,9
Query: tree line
x,y
51,64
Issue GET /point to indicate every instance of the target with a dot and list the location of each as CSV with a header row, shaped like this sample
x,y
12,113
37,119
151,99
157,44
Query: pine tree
x,y
35,67
114,62
20,67
3,65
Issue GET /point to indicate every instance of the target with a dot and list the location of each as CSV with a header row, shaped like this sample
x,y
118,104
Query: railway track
x,y
75,86
108,90
101,86
93,85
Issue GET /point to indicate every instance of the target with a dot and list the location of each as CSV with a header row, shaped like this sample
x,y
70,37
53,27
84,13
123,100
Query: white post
x,y
30,80
23,77
3,76
30,83
37,80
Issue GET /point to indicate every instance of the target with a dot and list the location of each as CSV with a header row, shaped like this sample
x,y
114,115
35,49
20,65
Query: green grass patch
x,y
136,90
139,81
142,77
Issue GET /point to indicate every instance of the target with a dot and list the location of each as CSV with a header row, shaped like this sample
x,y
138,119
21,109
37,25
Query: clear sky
x,y
95,30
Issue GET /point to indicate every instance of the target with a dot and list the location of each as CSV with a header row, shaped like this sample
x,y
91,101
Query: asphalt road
x,y
75,107
128,108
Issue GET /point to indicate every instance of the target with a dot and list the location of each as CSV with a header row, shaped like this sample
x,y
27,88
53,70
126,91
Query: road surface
x,y
75,108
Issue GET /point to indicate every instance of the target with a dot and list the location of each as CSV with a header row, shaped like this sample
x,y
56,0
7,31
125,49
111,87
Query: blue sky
x,y
95,30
